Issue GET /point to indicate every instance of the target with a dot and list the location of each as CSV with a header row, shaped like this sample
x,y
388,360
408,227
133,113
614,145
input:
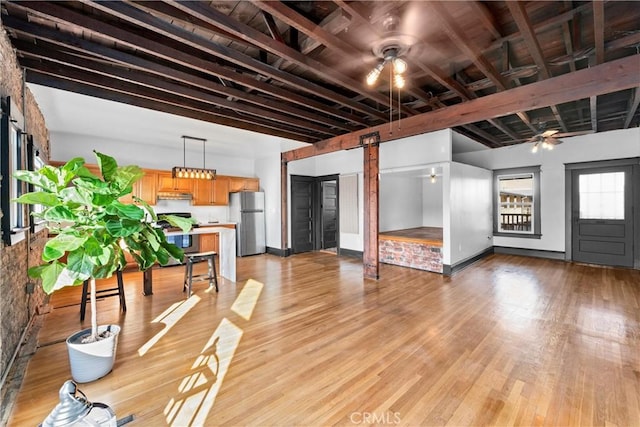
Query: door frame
x,y
634,162
318,204
316,210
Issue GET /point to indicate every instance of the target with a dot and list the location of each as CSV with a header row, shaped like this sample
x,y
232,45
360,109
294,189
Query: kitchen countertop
x,y
227,250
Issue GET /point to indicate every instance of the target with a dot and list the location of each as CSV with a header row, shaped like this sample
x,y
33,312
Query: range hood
x,y
173,195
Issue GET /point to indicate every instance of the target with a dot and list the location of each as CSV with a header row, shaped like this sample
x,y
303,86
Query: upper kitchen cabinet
x,y
238,184
145,188
211,192
166,182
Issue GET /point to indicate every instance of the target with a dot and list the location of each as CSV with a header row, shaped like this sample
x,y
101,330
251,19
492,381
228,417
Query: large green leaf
x,y
173,250
80,262
122,228
93,185
37,178
125,176
102,199
127,211
184,224
56,247
52,276
83,172
93,248
107,164
59,213
76,195
53,175
151,238
38,198
147,207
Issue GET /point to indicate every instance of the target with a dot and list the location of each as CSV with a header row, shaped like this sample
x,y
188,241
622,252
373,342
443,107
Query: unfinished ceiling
x,y
297,69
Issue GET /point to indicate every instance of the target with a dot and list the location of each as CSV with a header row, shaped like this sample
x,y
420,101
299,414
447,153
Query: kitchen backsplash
x,y
202,214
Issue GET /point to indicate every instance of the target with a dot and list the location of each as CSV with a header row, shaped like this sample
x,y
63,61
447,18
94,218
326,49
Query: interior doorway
x,y
314,213
604,223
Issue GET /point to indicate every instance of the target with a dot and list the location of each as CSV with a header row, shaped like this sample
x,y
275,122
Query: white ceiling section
x,y
72,113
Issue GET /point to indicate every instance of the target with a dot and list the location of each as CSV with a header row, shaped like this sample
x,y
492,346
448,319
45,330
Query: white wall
x,y
416,150
400,197
616,144
471,212
432,199
268,170
65,146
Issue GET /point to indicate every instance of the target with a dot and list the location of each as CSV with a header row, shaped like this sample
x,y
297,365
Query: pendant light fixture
x,y
391,55
189,172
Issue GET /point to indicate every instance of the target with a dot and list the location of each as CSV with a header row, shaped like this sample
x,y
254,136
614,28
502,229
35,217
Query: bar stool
x,y
103,293
211,275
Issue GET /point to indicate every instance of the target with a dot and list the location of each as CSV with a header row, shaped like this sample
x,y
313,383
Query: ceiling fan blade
x,y
553,141
549,133
577,133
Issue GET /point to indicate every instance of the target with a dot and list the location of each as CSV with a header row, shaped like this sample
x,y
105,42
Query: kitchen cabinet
x,y
166,182
211,192
145,188
209,242
238,184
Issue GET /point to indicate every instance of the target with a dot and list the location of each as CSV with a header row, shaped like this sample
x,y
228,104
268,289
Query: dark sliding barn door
x,y
602,216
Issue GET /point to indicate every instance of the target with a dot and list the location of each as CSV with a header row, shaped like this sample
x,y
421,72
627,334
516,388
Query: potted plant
x,y
93,229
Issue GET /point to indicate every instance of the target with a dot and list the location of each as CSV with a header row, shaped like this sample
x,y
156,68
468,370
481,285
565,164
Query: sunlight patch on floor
x,y
198,390
245,303
169,317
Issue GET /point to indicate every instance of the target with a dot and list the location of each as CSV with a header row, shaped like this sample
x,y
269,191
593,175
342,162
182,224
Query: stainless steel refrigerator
x,y
246,209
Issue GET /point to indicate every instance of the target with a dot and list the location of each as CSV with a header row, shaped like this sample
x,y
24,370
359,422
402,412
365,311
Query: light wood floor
x,y
508,341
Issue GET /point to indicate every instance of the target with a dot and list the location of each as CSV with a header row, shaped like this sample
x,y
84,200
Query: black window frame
x,y
536,223
11,121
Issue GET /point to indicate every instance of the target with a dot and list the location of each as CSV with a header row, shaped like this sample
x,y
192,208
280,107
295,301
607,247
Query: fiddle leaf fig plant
x,y
92,227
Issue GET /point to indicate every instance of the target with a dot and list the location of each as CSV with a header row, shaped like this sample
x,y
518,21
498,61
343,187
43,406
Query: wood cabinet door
x,y
251,184
202,192
145,188
165,181
209,242
220,193
236,184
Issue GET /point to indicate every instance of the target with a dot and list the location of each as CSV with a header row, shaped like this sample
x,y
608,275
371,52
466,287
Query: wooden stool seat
x,y
103,293
211,276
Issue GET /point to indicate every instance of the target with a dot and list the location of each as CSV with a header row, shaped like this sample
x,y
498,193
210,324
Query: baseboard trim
x,y
448,270
536,253
279,252
350,252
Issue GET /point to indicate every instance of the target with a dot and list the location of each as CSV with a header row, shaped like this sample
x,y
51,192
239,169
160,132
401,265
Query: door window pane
x,y
601,195
515,203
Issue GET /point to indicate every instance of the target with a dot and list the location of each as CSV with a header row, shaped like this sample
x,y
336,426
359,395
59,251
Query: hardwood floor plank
x,y
507,341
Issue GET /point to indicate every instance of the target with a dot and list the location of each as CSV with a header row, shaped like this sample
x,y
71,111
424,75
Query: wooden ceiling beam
x,y
147,91
272,27
146,80
160,50
521,17
51,40
63,83
598,37
609,77
204,12
469,48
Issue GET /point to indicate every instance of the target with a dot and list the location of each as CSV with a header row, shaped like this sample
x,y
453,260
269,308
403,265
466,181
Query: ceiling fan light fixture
x,y
535,147
399,65
399,81
373,75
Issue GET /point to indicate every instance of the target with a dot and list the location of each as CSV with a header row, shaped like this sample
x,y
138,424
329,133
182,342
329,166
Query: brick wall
x,y
410,254
17,306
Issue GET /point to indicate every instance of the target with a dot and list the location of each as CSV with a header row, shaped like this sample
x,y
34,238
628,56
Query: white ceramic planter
x,y
92,361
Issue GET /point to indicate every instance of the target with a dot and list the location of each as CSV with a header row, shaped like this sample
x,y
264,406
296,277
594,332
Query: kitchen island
x,y
227,249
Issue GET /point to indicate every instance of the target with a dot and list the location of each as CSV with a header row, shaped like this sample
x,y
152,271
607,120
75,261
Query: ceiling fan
x,y
547,139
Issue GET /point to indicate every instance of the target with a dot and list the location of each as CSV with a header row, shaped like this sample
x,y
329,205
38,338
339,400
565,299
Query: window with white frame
x,y
517,202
